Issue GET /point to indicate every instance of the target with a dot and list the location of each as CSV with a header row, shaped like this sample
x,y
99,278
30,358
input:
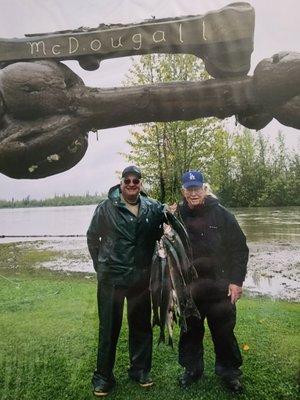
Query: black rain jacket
x,y
218,244
121,245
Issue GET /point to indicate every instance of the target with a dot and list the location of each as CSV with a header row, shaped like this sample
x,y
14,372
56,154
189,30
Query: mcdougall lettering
x,y
35,47
137,39
185,35
95,45
119,44
54,51
159,36
105,41
73,45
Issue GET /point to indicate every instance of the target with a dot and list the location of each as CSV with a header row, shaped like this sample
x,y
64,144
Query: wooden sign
x,y
223,38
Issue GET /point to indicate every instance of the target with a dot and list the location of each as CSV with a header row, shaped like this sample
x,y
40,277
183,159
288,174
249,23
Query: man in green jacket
x,y
121,240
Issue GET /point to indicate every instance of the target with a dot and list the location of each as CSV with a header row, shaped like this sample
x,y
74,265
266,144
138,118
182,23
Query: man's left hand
x,y
172,208
235,292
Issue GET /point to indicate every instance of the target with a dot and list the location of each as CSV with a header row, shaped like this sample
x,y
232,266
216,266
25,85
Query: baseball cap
x,y
132,169
192,178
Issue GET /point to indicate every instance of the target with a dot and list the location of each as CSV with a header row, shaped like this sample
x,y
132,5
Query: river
x,y
273,236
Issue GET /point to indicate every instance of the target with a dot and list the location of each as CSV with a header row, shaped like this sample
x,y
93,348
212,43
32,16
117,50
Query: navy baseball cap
x,y
192,178
132,170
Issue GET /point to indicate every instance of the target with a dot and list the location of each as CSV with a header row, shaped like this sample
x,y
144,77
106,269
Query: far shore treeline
x,y
56,201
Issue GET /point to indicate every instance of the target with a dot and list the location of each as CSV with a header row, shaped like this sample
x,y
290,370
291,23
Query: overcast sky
x,y
277,28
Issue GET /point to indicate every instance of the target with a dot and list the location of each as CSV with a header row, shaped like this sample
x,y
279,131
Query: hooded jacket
x,y
121,245
218,244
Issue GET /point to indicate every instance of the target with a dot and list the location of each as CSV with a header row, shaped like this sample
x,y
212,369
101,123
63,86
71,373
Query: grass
x,y
49,329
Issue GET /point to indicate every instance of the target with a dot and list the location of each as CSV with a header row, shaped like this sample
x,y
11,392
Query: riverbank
x,y
273,269
49,324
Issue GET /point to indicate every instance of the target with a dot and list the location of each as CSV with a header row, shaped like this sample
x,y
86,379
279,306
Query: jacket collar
x,y
114,195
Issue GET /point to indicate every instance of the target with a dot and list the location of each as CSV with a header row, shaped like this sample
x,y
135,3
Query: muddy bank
x,y
273,269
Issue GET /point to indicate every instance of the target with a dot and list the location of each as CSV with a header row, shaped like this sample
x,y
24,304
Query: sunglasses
x,y
135,181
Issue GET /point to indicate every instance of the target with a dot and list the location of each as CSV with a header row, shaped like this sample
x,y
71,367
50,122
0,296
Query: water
x,y
259,224
269,224
70,220
272,233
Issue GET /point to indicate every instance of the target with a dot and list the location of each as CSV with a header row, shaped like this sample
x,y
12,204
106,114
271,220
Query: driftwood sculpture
x,y
222,38
46,111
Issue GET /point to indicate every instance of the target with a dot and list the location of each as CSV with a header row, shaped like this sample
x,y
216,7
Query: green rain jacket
x,y
121,245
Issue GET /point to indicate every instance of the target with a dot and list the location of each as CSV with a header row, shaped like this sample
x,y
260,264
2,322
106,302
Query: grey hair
x,y
208,191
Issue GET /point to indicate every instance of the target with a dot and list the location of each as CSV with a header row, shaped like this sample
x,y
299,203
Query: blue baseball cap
x,y
192,178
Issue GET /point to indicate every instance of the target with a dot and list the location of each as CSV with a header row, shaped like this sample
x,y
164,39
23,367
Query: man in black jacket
x,y
220,256
121,240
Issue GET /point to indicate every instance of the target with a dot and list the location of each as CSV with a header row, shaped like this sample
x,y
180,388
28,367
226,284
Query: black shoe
x,y
188,377
102,387
227,372
142,378
234,385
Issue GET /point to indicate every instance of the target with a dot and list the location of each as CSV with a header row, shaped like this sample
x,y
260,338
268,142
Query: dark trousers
x,y
221,319
110,306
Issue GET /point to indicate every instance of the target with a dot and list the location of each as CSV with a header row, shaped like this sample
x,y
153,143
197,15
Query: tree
x,y
221,168
243,167
165,150
282,187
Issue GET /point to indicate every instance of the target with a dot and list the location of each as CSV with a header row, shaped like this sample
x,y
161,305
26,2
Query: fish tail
x,y
170,342
175,318
182,323
155,321
162,337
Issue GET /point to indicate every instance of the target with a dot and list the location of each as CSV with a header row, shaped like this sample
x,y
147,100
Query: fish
x,y
183,259
181,241
161,294
155,286
170,273
179,228
171,318
185,304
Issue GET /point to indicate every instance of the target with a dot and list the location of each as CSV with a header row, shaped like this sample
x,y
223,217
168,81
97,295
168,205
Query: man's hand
x,y
235,292
172,208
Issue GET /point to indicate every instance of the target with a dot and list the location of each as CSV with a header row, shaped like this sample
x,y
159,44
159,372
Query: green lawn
x,y
49,328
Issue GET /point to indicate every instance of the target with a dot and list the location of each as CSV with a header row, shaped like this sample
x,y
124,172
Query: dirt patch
x,y
274,269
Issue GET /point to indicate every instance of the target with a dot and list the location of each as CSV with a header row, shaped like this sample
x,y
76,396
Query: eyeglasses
x,y
193,190
135,181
